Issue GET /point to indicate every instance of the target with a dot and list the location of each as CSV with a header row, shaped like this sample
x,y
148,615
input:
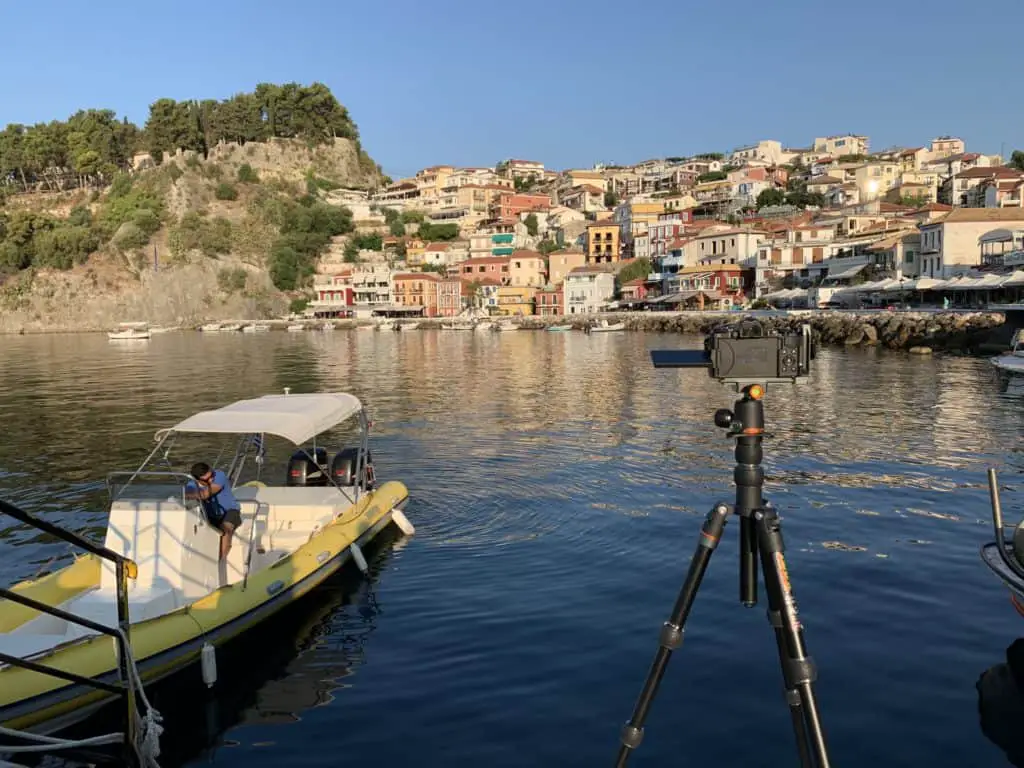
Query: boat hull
x,y
990,554
166,644
1009,363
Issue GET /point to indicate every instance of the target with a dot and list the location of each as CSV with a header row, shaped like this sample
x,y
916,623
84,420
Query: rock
x,y
920,350
870,334
856,337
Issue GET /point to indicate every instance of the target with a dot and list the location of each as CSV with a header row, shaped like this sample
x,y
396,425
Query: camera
x,y
744,353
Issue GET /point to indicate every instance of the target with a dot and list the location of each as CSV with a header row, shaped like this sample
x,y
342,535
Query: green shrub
x,y
247,175
232,279
64,247
129,237
226,191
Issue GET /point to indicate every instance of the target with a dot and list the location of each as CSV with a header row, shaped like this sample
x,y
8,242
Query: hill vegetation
x,y
235,188
91,146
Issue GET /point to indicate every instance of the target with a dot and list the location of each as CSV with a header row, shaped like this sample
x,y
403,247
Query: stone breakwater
x,y
946,331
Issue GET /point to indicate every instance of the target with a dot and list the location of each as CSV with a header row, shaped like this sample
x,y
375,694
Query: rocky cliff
x,y
205,255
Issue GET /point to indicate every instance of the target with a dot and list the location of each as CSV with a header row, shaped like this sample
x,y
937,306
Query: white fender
x,y
398,516
357,555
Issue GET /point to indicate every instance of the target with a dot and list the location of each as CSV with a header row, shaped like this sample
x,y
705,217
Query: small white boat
x,y
557,328
484,325
129,334
1012,361
256,328
408,326
605,327
296,328
508,326
231,327
386,325
326,327
210,328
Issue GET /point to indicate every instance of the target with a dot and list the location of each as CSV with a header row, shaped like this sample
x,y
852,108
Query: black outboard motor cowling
x,y
304,471
343,468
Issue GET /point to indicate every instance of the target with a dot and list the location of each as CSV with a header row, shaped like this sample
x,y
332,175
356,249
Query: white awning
x,y
297,418
846,272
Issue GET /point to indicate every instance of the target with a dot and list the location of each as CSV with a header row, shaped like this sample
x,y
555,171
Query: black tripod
x,y
760,531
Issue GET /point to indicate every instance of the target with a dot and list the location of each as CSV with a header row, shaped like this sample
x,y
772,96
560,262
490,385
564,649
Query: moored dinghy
x,y
1005,558
1012,361
295,531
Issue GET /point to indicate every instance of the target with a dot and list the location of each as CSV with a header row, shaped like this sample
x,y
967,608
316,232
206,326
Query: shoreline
x,y
969,331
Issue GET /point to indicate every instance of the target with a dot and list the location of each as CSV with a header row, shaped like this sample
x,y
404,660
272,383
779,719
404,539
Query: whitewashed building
x,y
588,289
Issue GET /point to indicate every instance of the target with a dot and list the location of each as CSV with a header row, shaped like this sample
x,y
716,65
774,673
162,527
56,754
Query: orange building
x,y
509,205
417,289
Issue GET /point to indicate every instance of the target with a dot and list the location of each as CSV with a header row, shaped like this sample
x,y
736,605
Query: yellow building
x,y
561,263
527,267
414,250
432,181
603,245
516,299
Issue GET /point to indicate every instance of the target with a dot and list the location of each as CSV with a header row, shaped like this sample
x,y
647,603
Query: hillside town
x,y
835,224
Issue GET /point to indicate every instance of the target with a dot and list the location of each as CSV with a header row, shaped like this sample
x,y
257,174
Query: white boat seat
x,y
24,645
295,503
101,606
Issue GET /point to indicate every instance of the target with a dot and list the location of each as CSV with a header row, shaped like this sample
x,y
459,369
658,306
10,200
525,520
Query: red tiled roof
x,y
416,276
486,260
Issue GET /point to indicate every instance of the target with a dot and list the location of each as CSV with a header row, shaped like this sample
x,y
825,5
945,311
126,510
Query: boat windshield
x,y
148,486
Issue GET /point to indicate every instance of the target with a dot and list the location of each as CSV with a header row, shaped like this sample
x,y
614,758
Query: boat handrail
x,y
126,568
997,524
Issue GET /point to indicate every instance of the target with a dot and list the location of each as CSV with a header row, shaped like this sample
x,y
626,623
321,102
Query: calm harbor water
x,y
558,484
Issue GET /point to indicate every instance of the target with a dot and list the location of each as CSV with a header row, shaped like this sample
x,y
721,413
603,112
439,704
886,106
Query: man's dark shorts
x,y
232,516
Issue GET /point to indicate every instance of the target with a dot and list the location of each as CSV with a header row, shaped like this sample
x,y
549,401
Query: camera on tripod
x,y
744,353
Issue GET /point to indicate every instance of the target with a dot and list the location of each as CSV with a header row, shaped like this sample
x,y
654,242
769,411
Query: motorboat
x,y
386,325
1012,361
557,328
256,328
407,326
484,325
506,326
1005,558
231,327
130,332
326,327
605,327
210,327
296,328
462,326
158,587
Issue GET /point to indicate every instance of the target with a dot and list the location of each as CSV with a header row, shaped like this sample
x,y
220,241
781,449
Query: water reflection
x,y
567,466
1001,703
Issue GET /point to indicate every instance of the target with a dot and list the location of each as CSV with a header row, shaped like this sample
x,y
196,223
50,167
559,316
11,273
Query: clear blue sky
x,y
565,82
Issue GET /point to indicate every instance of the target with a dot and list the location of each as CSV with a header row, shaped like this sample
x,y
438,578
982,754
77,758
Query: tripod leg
x,y
672,631
798,670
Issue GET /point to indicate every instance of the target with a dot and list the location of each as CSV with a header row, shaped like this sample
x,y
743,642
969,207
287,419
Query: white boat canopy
x,y
297,418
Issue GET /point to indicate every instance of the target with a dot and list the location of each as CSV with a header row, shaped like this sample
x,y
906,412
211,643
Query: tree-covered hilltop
x,y
90,147
289,111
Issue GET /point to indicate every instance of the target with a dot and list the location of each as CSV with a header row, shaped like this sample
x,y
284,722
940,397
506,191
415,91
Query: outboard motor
x,y
343,468
304,471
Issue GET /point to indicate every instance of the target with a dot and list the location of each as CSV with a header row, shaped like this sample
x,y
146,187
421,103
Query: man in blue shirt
x,y
219,503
